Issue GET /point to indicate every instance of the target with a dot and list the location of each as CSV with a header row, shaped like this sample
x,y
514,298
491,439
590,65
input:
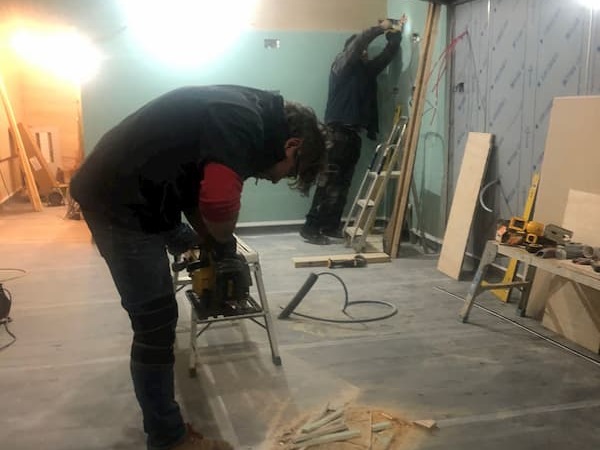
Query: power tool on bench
x,y
518,231
220,279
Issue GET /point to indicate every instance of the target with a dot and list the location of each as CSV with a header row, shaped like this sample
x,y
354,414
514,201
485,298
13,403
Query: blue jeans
x,y
139,266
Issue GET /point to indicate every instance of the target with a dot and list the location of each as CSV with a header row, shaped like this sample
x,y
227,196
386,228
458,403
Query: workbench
x,y
257,311
565,268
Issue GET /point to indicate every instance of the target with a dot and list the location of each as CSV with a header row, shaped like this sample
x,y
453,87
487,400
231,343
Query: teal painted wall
x,y
299,69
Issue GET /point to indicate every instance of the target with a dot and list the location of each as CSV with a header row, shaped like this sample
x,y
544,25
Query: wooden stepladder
x,y
372,189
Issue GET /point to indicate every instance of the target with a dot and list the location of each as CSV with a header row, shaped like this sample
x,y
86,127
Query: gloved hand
x,y
181,239
224,250
220,250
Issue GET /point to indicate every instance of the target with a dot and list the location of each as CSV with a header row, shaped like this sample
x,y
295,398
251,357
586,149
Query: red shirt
x,y
220,193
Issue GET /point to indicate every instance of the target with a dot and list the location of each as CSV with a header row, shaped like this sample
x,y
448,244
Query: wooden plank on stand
x,y
322,261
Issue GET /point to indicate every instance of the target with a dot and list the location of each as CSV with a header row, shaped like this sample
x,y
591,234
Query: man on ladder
x,y
351,107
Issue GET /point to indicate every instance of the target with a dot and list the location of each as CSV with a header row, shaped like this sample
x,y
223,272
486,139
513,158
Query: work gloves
x,y
181,239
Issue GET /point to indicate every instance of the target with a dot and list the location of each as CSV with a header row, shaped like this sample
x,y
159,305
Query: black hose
x,y
309,283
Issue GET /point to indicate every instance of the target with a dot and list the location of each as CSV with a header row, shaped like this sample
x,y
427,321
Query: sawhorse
x,y
260,309
563,268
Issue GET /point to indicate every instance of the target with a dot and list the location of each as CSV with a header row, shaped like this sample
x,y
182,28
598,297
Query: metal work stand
x,y
255,311
563,268
477,287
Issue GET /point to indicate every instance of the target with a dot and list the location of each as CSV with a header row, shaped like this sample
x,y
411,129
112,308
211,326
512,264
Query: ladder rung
x,y
354,231
393,174
363,203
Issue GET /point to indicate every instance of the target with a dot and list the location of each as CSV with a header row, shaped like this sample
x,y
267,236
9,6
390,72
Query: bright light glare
x,y
67,54
594,4
187,32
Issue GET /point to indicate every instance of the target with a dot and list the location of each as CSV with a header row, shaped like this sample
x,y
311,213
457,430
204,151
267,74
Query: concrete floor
x,y
64,384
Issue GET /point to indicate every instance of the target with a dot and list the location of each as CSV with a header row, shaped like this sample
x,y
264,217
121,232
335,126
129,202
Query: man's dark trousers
x,y
139,266
332,191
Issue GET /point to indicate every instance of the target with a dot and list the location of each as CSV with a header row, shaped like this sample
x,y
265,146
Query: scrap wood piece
x,y
360,419
323,261
332,427
333,437
429,424
383,431
380,426
382,439
329,417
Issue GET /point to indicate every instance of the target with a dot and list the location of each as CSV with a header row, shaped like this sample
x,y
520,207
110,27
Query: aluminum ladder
x,y
363,213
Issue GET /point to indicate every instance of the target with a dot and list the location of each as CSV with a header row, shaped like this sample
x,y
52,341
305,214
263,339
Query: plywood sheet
x,y
472,170
570,163
571,309
582,215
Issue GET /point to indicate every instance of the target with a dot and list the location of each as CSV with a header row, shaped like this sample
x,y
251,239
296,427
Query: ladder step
x,y
364,203
353,231
393,174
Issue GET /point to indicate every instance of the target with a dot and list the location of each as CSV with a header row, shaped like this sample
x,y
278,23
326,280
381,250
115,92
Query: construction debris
x,y
429,424
350,428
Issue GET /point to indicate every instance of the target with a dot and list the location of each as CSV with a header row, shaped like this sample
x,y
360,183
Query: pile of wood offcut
x,y
351,427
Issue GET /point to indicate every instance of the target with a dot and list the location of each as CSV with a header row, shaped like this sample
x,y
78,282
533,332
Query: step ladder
x,y
373,187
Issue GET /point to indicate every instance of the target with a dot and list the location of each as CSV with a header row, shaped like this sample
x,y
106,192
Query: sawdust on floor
x,y
403,434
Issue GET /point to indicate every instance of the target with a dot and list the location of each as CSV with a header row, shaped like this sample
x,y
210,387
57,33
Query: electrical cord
x,y
311,281
5,320
6,269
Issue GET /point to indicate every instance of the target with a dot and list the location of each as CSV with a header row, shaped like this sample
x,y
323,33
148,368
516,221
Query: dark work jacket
x,y
352,98
146,170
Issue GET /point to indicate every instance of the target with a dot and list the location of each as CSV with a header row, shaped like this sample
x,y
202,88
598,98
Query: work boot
x,y
314,236
333,233
195,441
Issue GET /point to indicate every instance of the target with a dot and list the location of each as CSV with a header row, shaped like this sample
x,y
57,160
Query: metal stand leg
x,y
262,296
193,337
529,275
489,255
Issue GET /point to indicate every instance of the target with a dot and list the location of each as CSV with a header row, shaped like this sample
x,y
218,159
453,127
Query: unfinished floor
x,y
64,384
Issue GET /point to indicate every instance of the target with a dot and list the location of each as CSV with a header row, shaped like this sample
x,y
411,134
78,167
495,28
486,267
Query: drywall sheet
x,y
571,162
476,155
573,310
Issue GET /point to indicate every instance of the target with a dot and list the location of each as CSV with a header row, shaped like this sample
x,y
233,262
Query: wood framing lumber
x,y
40,169
32,189
322,261
394,229
458,229
333,437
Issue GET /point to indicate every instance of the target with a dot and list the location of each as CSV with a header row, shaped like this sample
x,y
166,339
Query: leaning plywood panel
x,y
472,170
571,161
582,216
573,310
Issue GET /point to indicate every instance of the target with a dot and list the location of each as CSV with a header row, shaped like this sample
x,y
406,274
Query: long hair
x,y
303,124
